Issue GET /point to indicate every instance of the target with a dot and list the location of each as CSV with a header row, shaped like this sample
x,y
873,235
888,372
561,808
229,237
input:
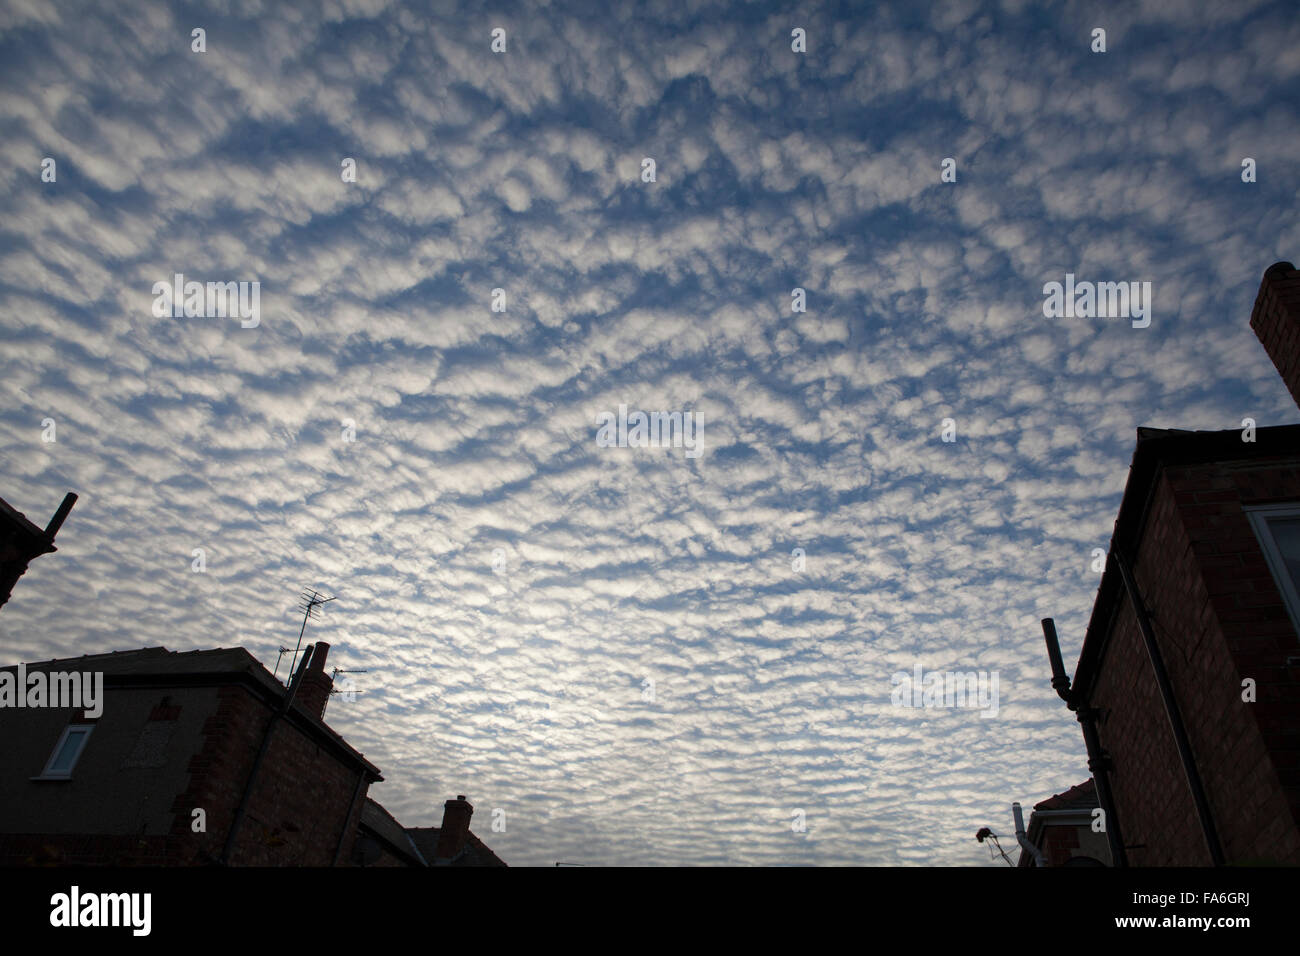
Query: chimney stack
x,y
1276,321
455,829
314,690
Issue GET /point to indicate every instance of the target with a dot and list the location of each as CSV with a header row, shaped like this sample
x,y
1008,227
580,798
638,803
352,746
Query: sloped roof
x,y
475,852
1080,797
385,826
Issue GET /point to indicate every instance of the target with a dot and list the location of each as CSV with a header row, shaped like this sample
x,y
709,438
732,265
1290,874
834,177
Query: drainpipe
x,y
1098,761
1034,853
347,818
1208,829
261,754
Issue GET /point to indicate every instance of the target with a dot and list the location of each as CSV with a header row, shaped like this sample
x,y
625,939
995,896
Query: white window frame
x,y
1259,516
47,773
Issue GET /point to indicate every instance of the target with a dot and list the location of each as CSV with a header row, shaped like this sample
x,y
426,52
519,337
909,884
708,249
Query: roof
x,y
1080,797
475,852
159,667
384,826
1157,449
1069,808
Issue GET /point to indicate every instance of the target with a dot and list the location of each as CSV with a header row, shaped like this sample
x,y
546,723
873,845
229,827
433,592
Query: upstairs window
x,y
1278,530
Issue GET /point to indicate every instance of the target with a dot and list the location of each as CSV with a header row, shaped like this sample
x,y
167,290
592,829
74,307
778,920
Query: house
x,y
191,758
1062,829
154,757
453,844
1187,687
383,841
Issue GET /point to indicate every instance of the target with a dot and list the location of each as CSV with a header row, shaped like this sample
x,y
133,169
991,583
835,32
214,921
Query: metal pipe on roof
x,y
1022,838
1208,829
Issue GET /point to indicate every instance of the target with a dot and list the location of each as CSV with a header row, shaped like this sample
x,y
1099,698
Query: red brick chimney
x,y
1276,321
314,691
455,829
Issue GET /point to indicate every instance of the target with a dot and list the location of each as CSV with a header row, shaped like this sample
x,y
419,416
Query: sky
x,y
631,655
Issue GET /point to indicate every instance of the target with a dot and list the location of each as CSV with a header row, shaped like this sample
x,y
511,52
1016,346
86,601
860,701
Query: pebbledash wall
x,y
180,732
1218,618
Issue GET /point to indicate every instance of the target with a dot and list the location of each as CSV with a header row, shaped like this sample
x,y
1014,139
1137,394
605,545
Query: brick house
x,y
1061,827
189,758
1188,682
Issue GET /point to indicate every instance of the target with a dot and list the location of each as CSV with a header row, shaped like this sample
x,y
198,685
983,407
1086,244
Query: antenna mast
x,y
308,603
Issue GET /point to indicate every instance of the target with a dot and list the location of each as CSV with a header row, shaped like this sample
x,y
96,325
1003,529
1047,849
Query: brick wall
x,y
1243,598
1156,813
296,812
1217,617
1059,844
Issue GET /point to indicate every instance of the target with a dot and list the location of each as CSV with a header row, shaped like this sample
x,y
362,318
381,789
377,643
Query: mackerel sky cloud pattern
x,y
613,644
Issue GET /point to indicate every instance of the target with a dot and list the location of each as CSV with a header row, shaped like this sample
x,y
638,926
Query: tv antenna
x,y
311,599
351,690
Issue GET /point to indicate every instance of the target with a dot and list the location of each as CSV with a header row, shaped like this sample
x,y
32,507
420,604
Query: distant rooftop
x,y
475,853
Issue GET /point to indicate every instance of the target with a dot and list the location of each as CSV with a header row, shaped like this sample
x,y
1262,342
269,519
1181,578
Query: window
x,y
66,752
1278,530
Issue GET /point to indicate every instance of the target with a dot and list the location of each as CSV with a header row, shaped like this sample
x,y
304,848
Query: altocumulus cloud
x,y
621,647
